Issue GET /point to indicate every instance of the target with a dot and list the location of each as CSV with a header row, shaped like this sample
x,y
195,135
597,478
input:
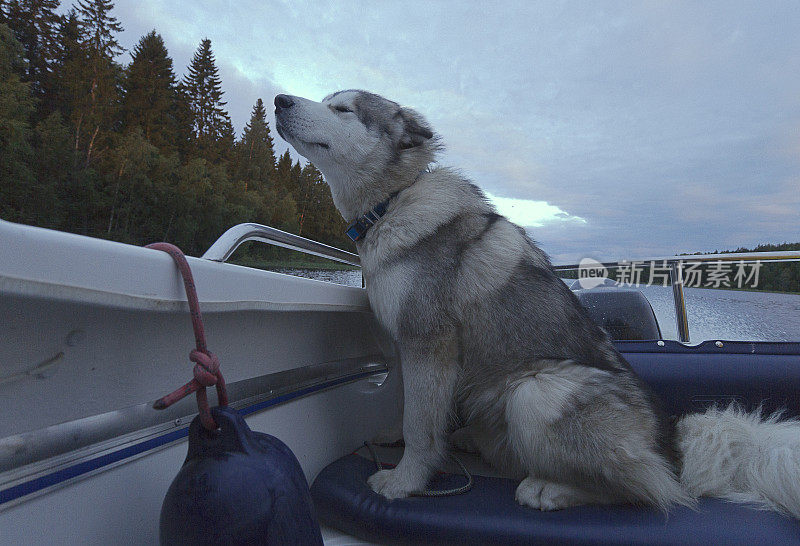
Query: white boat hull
x,y
94,331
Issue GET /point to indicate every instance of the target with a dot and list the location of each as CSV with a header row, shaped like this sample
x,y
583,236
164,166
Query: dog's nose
x,y
283,101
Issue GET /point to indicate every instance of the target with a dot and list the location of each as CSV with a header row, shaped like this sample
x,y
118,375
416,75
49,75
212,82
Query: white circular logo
x,y
591,273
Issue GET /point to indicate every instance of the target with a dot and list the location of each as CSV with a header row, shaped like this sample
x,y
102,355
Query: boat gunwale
x,y
65,452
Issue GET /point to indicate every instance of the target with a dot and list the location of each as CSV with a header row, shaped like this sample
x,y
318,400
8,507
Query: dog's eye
x,y
342,109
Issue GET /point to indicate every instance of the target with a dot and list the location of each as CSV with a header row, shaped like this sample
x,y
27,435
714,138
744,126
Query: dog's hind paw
x,y
529,492
390,484
547,496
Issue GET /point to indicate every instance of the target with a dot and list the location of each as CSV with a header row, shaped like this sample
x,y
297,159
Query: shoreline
x,y
271,265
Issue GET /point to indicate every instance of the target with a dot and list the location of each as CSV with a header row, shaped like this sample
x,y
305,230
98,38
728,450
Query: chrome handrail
x,y
224,247
676,264
747,257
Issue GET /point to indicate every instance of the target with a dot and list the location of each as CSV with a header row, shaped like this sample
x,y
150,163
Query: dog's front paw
x,y
390,484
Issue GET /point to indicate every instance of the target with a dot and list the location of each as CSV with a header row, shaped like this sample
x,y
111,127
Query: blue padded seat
x,y
488,514
686,378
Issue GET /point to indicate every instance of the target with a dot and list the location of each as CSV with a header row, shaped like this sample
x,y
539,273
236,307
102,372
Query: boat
x,y
94,331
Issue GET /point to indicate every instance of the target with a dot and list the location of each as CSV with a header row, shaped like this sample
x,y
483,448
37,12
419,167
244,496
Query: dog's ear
x,y
415,129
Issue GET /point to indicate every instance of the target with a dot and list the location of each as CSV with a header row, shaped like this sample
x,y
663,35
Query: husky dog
x,y
488,335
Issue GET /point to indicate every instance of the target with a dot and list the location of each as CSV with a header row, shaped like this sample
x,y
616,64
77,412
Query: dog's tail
x,y
742,457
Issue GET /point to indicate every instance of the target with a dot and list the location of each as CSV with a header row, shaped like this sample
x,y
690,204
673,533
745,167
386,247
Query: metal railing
x,y
226,245
676,266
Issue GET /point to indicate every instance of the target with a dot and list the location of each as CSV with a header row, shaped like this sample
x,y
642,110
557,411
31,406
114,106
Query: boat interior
x,y
94,331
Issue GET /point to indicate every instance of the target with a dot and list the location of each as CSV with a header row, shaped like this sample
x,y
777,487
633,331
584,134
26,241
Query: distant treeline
x,y
131,152
772,276
766,276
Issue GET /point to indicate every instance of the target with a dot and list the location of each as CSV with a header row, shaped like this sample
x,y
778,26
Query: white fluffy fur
x,y
536,402
742,457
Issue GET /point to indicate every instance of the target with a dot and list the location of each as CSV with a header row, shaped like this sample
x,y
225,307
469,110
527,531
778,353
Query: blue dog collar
x,y
359,228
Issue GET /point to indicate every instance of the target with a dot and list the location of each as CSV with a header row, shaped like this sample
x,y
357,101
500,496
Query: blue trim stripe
x,y
49,480
85,467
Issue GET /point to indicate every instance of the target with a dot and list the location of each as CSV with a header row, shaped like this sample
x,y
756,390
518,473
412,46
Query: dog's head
x,y
365,145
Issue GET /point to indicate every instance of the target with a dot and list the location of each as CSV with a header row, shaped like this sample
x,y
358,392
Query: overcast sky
x,y
609,130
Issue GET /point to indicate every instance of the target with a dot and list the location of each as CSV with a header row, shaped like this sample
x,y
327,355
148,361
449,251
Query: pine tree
x,y
255,153
68,54
52,171
16,107
131,161
213,131
99,27
294,183
318,218
283,173
35,24
284,215
96,111
184,121
152,100
327,224
304,192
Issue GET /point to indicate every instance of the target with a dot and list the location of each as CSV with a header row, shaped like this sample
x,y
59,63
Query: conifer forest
x,y
131,151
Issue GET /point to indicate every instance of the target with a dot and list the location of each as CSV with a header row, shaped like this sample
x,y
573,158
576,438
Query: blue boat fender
x,y
238,487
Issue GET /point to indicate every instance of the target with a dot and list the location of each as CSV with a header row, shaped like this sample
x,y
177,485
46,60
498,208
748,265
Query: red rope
x,y
206,368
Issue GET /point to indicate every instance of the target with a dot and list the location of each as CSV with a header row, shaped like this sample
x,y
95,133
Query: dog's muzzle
x,y
283,102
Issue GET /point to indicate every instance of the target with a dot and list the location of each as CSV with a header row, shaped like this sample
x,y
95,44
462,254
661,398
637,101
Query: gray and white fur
x,y
490,338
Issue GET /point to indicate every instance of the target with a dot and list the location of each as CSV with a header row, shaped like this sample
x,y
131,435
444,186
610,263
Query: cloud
x,y
529,213
653,127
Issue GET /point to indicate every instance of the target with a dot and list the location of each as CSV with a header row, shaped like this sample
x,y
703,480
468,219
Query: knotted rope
x,y
206,368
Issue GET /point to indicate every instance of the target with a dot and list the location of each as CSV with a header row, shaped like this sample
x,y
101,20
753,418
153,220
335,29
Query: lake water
x,y
713,314
729,314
